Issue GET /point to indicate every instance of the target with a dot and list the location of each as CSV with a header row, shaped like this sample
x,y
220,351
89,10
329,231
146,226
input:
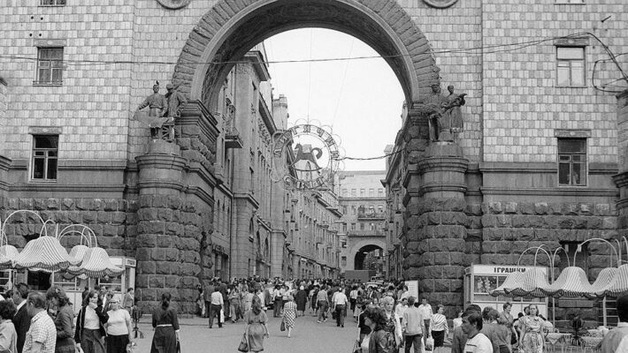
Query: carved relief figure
x,y
453,114
436,101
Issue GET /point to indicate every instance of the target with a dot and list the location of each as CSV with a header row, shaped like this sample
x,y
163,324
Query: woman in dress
x,y
289,314
64,319
166,327
301,300
247,298
440,329
118,328
393,325
8,336
255,327
90,327
532,327
234,303
458,320
364,330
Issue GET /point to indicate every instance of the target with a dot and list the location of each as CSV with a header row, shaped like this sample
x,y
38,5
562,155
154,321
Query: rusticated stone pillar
x,y
621,179
435,218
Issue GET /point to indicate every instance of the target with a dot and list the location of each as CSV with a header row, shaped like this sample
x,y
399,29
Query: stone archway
x,y
232,27
357,248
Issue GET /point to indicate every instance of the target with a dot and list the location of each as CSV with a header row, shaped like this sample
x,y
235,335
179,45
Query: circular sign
x,y
305,157
174,4
441,4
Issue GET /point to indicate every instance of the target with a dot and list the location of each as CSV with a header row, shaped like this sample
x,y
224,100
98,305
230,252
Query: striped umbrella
x,y
44,253
619,285
96,263
510,282
604,279
8,253
78,252
572,282
532,283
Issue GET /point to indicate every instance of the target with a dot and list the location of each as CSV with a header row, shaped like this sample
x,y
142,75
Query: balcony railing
x,y
366,233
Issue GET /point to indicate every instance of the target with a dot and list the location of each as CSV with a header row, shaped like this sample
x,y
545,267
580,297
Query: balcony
x,y
371,215
366,233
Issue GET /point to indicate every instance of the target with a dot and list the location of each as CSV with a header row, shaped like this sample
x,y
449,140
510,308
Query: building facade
x,y
363,222
539,160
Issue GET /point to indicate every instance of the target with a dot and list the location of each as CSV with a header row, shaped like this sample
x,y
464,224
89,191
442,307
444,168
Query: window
x,y
572,161
45,155
344,227
52,2
380,192
570,1
345,192
362,192
361,226
371,192
353,192
570,66
49,66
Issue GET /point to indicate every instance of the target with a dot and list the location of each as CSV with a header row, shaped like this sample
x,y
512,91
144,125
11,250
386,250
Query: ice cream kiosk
x,y
480,280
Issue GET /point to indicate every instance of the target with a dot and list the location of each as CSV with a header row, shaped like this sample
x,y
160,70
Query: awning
x,y
96,263
44,253
511,281
78,252
8,253
572,282
619,285
532,282
604,280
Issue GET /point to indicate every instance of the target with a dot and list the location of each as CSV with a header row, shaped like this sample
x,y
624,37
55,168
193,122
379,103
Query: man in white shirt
x,y
340,306
477,342
616,341
42,335
215,306
426,312
413,326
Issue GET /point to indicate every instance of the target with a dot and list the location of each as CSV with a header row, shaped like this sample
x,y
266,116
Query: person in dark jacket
x,y
64,319
22,319
90,322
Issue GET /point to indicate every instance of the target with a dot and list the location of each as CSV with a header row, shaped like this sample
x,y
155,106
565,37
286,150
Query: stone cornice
x,y
248,197
541,167
160,184
161,160
207,176
621,179
56,187
5,163
201,194
547,192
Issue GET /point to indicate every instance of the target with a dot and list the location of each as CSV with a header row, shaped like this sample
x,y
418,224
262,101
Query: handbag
x,y
356,347
429,344
282,327
244,342
222,316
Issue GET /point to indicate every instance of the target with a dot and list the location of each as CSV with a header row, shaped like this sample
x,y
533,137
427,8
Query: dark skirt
x,y
65,345
92,342
117,344
439,338
164,340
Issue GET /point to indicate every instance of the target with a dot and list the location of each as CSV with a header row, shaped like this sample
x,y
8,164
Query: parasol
x,y
78,252
604,280
533,282
8,253
619,284
96,263
510,283
572,282
44,253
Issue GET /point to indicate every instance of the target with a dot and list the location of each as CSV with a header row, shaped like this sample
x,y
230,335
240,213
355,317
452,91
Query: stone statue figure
x,y
176,101
453,115
445,117
157,106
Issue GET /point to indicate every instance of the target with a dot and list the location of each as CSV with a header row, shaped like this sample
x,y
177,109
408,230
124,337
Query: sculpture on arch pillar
x,y
444,117
162,112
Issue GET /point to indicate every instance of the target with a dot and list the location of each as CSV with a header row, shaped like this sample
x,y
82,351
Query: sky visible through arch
x,y
361,99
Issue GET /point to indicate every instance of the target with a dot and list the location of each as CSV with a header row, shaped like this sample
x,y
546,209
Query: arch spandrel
x,y
231,28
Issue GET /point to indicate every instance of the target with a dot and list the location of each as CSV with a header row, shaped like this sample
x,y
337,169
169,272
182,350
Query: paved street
x,y
308,336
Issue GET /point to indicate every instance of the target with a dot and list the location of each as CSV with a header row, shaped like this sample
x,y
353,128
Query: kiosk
x,y
480,280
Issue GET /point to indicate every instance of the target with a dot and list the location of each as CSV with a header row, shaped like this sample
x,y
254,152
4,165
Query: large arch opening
x,y
231,28
369,258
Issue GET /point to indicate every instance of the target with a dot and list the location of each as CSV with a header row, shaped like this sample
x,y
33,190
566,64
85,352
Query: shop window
x,y
49,66
45,157
52,2
570,66
572,161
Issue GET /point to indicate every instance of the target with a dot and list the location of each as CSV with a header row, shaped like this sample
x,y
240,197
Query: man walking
x,y
412,325
340,306
477,342
616,341
215,306
42,335
426,313
322,302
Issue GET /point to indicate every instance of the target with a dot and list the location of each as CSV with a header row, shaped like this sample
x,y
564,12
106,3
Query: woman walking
x,y
289,314
64,319
301,300
90,325
234,303
392,321
440,329
8,336
118,328
532,324
255,327
380,340
166,327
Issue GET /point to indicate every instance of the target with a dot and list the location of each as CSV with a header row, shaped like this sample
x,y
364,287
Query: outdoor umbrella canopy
x,y
604,279
532,282
511,282
44,253
78,252
619,285
572,282
96,263
8,253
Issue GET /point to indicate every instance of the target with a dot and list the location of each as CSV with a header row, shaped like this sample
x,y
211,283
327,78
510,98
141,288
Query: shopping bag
x,y
244,344
222,316
429,344
356,347
282,327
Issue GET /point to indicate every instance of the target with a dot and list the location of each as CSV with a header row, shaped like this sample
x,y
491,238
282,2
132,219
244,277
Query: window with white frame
x,y
50,66
570,66
45,157
572,161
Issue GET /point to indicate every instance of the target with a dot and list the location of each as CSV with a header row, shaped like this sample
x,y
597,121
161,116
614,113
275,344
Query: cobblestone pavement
x,y
307,337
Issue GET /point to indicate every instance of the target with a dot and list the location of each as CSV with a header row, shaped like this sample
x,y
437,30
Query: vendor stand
x,y
481,280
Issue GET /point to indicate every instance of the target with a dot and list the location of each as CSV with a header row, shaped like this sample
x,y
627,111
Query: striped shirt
x,y
439,322
42,331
